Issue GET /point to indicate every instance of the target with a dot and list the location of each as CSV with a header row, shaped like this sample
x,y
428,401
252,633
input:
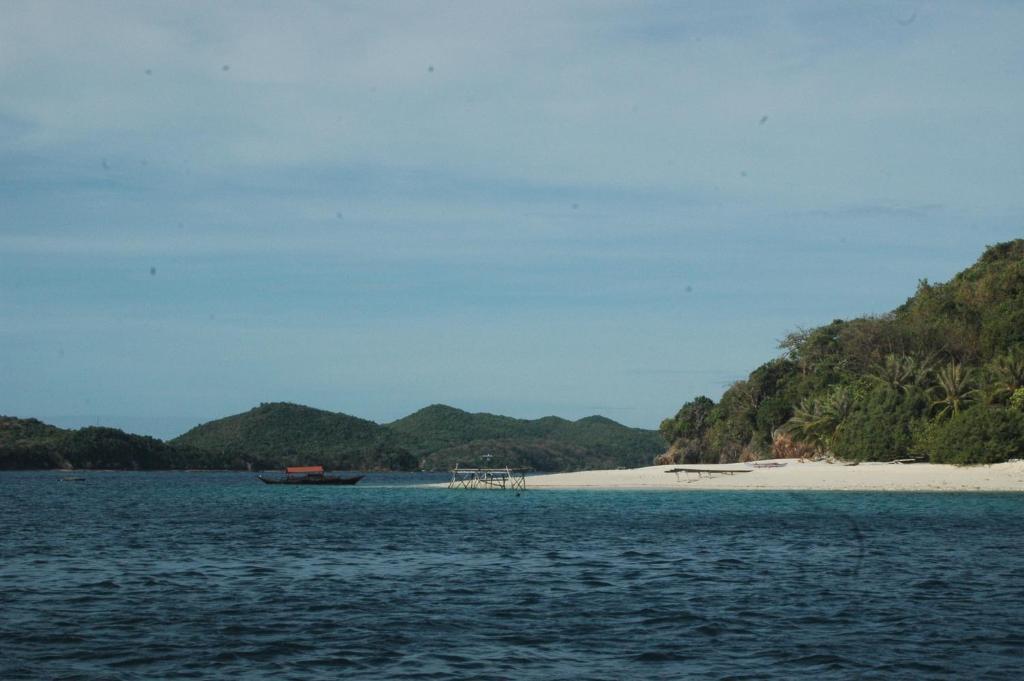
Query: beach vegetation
x,y
818,421
879,386
881,425
984,434
691,421
1006,374
1016,400
955,389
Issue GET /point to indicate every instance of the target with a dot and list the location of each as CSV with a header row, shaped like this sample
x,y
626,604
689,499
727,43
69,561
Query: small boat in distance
x,y
309,475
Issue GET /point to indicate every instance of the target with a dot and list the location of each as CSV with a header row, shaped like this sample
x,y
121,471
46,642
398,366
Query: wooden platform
x,y
706,472
488,478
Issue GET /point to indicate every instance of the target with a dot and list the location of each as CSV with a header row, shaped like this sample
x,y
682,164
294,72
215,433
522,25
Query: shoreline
x,y
796,476
789,475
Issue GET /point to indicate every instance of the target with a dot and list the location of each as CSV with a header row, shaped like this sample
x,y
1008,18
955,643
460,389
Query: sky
x,y
524,208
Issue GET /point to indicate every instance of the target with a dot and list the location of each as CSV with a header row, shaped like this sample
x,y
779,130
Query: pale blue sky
x,y
523,208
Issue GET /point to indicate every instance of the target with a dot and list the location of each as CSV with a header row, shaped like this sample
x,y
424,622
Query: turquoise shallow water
x,y
214,575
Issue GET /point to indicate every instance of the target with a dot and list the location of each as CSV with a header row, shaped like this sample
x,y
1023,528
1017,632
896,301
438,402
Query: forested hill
x,y
443,436
279,434
274,435
29,443
270,436
941,376
433,438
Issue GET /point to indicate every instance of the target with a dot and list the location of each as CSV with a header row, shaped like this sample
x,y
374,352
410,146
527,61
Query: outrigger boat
x,y
309,475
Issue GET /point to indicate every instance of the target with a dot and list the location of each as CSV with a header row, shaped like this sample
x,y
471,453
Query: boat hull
x,y
324,480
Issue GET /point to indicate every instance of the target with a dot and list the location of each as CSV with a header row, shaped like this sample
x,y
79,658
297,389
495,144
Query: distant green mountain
x,y
440,426
29,443
442,436
279,434
539,455
32,444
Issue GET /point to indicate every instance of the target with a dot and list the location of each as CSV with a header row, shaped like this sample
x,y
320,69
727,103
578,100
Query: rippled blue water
x,y
213,575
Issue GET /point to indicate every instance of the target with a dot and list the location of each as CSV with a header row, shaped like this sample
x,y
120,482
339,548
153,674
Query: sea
x,y
179,575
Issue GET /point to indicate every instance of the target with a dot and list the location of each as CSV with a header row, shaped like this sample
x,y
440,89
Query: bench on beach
x,y
705,472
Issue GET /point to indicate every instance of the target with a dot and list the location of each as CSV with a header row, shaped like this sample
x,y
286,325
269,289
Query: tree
x,y
902,373
955,389
1007,373
1017,399
981,434
808,424
691,421
816,421
880,426
896,372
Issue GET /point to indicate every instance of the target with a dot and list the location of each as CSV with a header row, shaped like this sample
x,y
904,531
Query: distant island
x,y
274,435
940,378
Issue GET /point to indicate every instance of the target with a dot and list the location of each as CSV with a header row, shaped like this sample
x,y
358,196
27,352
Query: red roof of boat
x,y
304,469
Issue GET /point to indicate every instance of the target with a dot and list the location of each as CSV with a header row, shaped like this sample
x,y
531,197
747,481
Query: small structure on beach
x,y
488,478
707,472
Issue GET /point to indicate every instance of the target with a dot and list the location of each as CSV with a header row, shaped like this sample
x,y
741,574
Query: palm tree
x,y
1008,374
925,376
902,373
816,421
895,371
808,423
955,389
837,407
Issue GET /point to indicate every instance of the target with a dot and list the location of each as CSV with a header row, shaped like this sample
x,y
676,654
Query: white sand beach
x,y
797,475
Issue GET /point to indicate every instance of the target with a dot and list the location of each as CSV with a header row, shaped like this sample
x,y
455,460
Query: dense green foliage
x,y
28,443
984,434
539,455
443,436
881,387
275,435
690,422
439,426
96,447
1016,400
881,426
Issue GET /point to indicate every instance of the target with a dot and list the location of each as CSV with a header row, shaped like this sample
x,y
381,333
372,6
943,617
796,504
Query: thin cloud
x,y
125,145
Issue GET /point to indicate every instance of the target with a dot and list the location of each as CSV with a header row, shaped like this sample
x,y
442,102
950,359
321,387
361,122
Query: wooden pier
x,y
488,478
